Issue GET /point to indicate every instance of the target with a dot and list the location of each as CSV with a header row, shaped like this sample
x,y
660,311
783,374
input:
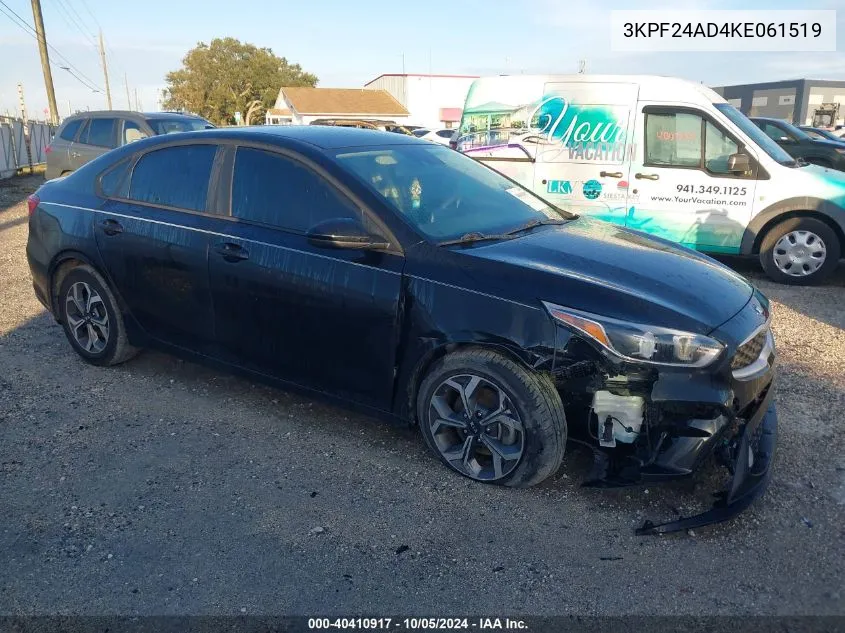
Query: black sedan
x,y
799,144
409,281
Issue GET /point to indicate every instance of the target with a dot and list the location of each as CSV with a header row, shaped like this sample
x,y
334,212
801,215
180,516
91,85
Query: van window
x,y
174,176
673,140
683,139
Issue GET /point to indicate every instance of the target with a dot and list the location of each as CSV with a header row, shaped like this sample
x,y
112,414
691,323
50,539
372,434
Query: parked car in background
x,y
821,134
799,144
85,136
421,131
409,281
441,136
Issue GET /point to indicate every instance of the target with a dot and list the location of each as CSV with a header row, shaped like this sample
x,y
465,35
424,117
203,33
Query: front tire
x,y
91,318
800,251
492,420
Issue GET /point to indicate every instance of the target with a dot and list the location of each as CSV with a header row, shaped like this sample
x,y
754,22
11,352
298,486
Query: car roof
x,y
321,136
132,113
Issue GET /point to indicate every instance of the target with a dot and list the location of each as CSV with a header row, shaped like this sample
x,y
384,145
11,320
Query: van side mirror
x,y
739,163
344,233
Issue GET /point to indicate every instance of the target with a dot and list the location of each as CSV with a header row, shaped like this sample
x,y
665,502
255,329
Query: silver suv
x,y
85,136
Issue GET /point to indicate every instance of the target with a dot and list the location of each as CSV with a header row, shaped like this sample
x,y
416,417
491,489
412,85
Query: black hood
x,y
605,269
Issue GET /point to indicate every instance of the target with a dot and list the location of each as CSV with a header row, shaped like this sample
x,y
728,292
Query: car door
x,y
153,233
681,187
95,139
323,318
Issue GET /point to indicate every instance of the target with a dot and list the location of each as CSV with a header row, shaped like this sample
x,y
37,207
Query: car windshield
x,y
171,126
760,138
444,194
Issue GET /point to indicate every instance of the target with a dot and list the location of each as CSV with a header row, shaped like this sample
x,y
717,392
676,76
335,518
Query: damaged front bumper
x,y
688,418
754,452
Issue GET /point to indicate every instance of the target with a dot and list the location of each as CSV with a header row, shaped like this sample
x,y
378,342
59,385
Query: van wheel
x,y
92,319
800,251
492,420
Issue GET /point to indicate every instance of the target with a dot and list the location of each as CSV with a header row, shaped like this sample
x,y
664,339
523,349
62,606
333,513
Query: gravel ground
x,y
163,487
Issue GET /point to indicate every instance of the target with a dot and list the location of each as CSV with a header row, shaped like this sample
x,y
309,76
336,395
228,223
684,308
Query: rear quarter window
x,y
114,182
174,177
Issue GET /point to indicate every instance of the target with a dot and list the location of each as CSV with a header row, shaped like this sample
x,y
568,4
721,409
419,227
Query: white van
x,y
666,156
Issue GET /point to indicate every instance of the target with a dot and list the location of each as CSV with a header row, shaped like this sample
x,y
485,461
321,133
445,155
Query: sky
x,y
348,43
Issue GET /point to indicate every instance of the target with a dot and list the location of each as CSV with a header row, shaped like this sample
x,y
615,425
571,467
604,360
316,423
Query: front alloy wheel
x,y
475,427
491,418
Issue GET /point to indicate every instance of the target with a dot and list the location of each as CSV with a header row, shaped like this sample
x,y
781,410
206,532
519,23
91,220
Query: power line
x,y
69,5
71,22
24,25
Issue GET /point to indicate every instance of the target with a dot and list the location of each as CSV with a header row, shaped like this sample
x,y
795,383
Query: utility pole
x,y
25,124
45,61
137,101
128,99
582,66
105,68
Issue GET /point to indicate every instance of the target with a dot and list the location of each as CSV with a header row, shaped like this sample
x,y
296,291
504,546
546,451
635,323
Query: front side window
x,y
775,133
283,193
683,139
673,139
100,132
131,132
444,194
70,130
174,177
760,139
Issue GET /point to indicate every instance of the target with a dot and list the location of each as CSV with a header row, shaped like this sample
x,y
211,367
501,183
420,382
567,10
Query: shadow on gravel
x,y
16,189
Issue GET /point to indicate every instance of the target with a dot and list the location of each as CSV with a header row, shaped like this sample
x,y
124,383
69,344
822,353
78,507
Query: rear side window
x,y
114,183
445,133
174,177
275,190
100,132
70,130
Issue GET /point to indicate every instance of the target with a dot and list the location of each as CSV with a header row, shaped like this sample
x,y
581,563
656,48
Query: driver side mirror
x,y
739,163
344,233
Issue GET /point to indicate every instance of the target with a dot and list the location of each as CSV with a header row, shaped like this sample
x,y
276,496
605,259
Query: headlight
x,y
641,343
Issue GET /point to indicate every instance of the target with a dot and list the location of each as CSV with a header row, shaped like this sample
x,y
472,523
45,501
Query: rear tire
x,y
800,251
521,445
91,318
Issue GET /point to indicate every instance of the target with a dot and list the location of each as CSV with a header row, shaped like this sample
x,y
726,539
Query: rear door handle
x,y
231,252
111,227
640,176
611,174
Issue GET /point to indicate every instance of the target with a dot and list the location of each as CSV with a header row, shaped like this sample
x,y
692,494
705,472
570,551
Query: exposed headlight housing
x,y
638,343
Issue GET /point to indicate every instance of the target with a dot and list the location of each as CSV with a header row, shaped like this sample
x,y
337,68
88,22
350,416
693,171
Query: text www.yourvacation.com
x,y
695,200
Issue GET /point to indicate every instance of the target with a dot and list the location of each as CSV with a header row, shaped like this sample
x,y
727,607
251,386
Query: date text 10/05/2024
x,y
417,624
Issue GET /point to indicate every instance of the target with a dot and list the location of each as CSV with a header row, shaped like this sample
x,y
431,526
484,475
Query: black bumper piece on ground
x,y
751,475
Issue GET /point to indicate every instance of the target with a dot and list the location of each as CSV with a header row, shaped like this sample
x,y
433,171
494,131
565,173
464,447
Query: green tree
x,y
227,76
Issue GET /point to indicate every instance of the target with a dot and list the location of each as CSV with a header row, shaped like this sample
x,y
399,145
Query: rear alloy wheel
x,y
492,420
91,318
800,251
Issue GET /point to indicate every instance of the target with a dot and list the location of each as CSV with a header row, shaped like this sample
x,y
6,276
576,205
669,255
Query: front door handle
x,y
111,227
231,252
611,174
640,176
